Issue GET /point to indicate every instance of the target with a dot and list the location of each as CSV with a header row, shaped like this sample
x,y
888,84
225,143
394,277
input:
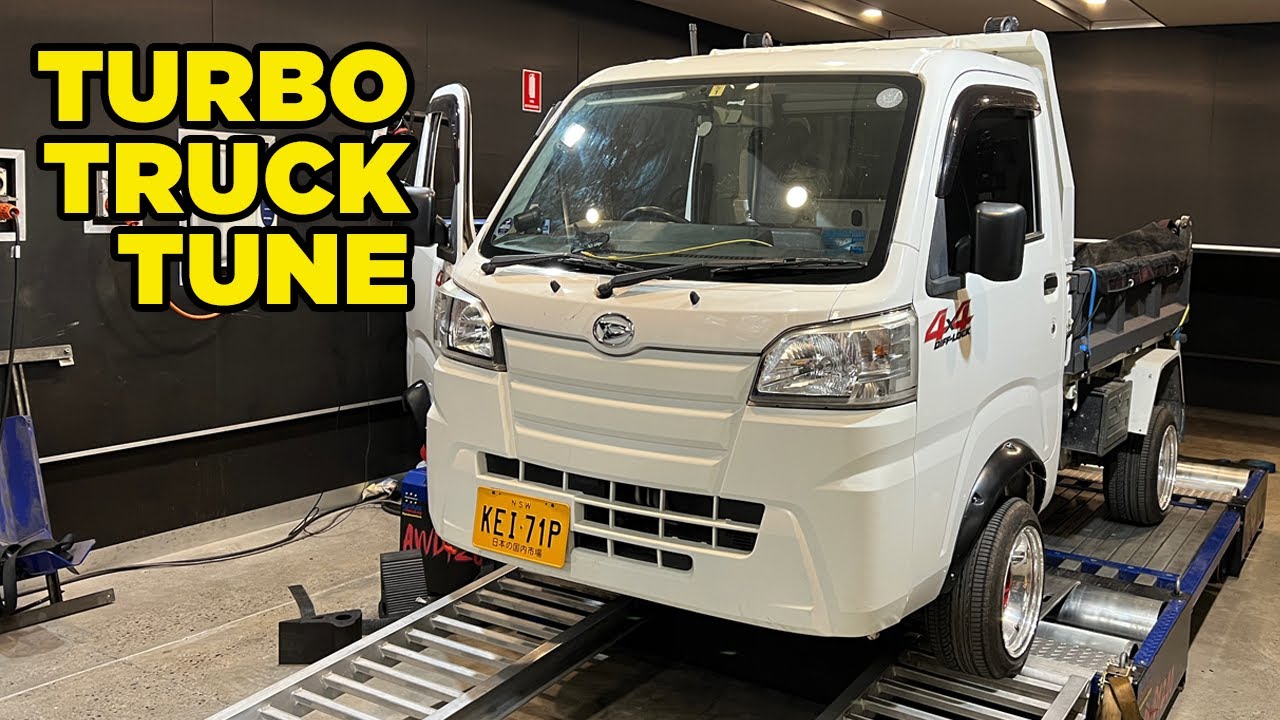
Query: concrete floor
x,y
181,644
1235,657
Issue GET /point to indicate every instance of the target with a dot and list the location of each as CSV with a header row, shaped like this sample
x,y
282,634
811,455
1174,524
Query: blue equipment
x,y
447,568
27,545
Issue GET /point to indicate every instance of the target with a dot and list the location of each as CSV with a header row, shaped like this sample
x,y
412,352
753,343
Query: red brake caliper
x,y
1008,590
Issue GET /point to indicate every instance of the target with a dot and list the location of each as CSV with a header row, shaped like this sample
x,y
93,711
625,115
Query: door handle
x,y
1050,283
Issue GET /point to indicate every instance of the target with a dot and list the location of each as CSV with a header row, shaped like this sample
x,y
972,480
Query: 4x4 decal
x,y
943,332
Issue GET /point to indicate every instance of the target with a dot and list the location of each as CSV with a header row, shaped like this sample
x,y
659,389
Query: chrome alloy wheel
x,y
1167,467
1023,592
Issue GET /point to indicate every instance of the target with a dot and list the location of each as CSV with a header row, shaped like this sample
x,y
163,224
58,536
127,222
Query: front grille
x,y
692,519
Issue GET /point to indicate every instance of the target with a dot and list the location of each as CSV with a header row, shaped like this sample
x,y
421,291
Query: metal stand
x,y
58,606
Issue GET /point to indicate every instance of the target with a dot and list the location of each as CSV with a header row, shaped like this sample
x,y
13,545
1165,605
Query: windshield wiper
x,y
606,288
784,264
568,258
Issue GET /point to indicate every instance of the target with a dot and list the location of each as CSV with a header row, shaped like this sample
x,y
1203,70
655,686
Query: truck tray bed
x,y
1129,293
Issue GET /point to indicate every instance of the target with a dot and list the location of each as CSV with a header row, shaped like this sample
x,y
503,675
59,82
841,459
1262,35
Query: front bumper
x,y
833,553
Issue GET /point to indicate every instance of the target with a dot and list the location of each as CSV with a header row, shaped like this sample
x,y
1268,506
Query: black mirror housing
x,y
444,247
416,400
999,240
428,229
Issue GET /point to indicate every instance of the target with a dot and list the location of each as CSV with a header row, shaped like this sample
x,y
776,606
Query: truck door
x,y
450,109
992,352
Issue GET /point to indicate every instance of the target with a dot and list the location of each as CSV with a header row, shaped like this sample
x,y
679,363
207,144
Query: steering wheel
x,y
655,212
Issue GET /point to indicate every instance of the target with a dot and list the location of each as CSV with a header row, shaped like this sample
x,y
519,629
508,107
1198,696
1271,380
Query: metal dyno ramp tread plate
x,y
479,653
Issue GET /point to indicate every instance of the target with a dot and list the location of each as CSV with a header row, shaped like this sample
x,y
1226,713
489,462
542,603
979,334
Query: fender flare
x,y
1013,471
1156,377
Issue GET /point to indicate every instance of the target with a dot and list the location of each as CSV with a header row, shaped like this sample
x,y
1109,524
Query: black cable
x,y
293,536
309,517
299,532
13,318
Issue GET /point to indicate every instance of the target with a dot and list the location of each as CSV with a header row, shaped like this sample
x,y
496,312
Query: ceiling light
x,y
1095,3
573,134
875,13
797,196
752,86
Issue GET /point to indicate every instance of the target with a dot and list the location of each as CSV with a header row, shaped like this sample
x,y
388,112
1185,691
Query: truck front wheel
x,y
1139,475
985,623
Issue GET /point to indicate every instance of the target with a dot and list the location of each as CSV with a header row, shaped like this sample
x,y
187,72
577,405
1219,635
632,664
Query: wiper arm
x,y
568,258
784,264
606,288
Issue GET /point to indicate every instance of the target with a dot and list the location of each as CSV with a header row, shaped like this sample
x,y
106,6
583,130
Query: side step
x,y
479,653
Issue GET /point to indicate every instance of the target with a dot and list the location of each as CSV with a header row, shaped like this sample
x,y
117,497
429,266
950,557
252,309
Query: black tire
x,y
964,624
1131,474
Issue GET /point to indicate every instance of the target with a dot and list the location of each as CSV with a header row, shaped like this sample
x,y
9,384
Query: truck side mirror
x,y
450,108
416,400
428,228
999,240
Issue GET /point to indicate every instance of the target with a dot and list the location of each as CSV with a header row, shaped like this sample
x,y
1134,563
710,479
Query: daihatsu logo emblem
x,y
613,330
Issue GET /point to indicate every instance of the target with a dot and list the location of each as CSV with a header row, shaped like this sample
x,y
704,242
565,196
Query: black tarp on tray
x,y
1156,250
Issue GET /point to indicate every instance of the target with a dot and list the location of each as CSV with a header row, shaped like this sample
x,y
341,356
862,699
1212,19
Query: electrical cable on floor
x,y
299,532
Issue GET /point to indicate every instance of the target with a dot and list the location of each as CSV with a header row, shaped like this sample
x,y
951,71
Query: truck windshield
x,y
767,168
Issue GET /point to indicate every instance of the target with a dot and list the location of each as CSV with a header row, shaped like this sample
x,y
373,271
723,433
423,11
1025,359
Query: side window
x,y
996,164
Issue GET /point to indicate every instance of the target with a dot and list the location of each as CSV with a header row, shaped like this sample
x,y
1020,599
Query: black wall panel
x,y
484,44
330,25
71,291
123,496
1183,120
603,43
1242,178
1233,355
145,375
1138,110
1172,120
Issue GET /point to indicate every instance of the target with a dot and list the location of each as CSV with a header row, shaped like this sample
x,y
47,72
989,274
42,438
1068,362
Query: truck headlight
x,y
863,362
464,330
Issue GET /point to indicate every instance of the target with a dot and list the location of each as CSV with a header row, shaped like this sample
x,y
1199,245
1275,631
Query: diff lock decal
x,y
943,330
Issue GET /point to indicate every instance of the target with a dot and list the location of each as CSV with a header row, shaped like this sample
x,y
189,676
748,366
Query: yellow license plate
x,y
521,526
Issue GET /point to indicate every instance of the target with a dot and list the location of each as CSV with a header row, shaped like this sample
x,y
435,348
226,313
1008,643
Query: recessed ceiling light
x,y
1095,3
875,13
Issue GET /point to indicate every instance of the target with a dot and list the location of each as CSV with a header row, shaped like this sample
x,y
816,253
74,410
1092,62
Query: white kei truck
x,y
799,337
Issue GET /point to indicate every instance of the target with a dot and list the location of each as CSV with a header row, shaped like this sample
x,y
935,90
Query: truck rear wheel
x,y
985,623
1139,475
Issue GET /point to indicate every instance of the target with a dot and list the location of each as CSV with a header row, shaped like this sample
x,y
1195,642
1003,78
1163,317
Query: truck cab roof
x,y
879,56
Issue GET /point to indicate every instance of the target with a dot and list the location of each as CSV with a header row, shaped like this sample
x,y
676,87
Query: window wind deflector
x,y
606,288
788,264
574,259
